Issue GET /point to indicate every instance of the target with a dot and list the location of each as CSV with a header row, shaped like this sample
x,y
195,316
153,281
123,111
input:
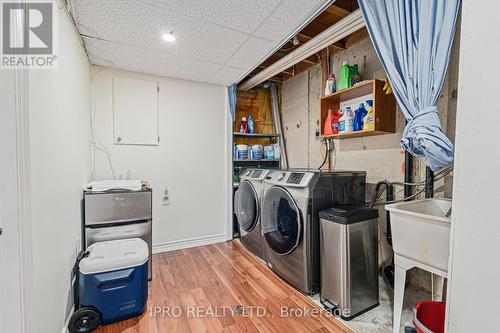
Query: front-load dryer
x,y
247,206
290,222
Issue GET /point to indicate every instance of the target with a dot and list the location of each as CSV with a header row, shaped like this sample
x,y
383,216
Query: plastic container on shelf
x,y
250,123
329,121
331,85
359,115
257,152
241,152
269,152
244,125
346,122
369,119
429,317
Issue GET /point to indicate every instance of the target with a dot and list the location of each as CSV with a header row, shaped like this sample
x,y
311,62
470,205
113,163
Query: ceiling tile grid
x,y
244,16
134,59
217,41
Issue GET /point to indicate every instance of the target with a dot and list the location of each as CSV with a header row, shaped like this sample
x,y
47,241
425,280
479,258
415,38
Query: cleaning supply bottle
x,y
331,122
331,85
341,123
244,125
328,127
345,122
369,119
344,77
348,119
358,117
336,122
250,124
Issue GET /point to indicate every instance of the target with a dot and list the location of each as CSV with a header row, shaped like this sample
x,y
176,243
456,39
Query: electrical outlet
x,y
166,197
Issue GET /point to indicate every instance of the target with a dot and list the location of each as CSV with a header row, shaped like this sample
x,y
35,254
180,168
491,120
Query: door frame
x,y
19,194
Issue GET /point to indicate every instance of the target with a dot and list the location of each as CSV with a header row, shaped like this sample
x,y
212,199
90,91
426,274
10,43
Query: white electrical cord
x,y
95,139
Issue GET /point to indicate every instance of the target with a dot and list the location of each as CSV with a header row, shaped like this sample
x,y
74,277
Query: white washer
x,y
290,222
247,205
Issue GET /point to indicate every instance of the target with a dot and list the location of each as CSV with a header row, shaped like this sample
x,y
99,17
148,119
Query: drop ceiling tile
x,y
250,53
125,57
289,15
242,15
226,75
141,25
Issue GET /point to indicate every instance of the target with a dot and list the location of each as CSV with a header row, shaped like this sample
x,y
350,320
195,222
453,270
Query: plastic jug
x,y
346,121
369,119
244,125
358,117
331,122
331,85
250,124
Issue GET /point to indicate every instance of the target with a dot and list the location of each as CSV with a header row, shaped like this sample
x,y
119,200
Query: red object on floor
x,y
428,317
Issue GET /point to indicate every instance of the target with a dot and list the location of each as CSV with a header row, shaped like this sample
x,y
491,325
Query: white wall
x,y
190,160
10,254
59,165
474,290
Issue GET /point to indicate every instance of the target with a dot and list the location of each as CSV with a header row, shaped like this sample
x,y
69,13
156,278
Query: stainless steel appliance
x,y
247,204
349,260
290,223
118,214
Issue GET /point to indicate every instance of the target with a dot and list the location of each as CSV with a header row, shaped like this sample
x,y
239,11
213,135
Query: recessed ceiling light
x,y
170,37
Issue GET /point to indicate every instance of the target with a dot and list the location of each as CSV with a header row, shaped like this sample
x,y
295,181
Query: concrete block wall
x,y
380,156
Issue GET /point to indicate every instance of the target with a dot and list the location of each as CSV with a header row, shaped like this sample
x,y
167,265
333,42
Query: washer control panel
x,y
295,178
289,178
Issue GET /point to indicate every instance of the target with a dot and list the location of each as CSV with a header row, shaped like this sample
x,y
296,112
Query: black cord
x,y
326,156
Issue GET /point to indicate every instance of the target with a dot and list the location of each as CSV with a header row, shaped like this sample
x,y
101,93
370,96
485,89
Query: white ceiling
x,y
218,41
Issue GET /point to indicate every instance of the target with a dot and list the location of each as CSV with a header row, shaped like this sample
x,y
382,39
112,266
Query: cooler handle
x,y
115,279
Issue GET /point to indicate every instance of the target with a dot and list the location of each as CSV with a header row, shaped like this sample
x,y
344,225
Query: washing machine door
x,y
246,205
281,221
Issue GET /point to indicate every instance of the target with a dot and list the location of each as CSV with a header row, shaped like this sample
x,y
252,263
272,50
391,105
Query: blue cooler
x,y
114,278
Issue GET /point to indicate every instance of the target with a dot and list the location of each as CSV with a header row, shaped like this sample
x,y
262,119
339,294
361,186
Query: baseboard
x,y
66,322
190,242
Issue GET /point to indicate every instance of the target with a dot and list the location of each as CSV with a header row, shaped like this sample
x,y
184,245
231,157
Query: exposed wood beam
x,y
337,11
285,72
356,37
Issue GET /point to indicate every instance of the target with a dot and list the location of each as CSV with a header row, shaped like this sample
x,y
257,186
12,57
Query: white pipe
x,y
343,28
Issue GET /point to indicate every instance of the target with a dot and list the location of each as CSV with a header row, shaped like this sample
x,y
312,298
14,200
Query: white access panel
x,y
135,111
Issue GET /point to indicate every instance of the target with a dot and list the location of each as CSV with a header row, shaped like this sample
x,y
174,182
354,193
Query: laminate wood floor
x,y
223,288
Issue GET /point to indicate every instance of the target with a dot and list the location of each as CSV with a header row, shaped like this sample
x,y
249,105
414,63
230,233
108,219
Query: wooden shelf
x,y
355,134
254,135
384,108
255,161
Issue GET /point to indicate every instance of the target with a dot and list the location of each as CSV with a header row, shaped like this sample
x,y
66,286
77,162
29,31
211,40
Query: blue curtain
x,y
413,40
232,91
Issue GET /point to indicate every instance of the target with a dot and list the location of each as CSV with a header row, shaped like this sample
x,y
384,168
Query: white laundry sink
x,y
421,231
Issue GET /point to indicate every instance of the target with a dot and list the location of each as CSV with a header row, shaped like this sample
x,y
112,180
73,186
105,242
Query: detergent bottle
x,y
250,122
331,122
349,119
369,119
331,85
346,121
358,117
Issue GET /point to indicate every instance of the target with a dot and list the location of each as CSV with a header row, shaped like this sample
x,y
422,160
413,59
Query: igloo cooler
x,y
113,279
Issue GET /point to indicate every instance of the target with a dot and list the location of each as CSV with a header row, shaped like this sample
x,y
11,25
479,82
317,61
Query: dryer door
x,y
246,205
281,221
